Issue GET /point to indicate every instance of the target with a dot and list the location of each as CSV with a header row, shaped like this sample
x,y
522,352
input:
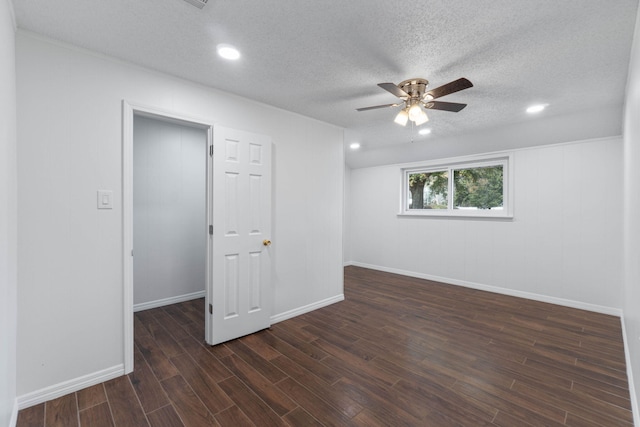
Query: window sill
x,y
457,214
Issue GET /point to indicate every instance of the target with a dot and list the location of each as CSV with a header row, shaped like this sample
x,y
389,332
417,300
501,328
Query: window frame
x,y
450,165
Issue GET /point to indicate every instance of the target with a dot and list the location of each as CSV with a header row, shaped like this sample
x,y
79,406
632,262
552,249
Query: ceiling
x,y
323,59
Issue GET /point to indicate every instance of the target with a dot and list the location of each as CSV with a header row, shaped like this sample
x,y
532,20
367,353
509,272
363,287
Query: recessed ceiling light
x,y
354,146
228,52
424,131
536,108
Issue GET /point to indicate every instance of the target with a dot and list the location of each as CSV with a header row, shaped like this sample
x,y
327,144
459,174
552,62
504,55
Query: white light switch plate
x,y
105,199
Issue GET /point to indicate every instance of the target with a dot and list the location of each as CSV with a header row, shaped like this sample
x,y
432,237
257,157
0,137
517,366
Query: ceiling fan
x,y
416,98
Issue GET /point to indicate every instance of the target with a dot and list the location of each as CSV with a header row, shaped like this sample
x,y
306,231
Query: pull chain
x,y
412,131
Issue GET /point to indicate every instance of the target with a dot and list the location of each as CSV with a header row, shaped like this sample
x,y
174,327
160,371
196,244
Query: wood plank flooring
x,y
398,351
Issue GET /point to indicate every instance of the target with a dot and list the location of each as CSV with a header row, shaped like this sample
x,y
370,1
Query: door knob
x,y
266,242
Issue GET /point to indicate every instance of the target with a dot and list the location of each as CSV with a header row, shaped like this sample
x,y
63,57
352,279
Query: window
x,y
473,188
478,187
428,190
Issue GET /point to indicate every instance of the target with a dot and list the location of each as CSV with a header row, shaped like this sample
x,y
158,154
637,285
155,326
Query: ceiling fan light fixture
x,y
422,118
402,118
415,112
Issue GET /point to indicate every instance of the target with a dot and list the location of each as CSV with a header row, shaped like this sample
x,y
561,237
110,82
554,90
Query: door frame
x,y
129,110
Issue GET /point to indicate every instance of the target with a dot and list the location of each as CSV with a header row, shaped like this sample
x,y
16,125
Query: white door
x,y
239,295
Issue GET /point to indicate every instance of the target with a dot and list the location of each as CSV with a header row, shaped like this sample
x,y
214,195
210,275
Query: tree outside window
x,y
428,190
478,188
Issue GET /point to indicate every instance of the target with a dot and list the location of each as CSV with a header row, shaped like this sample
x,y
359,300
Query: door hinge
x,y
210,308
211,230
210,150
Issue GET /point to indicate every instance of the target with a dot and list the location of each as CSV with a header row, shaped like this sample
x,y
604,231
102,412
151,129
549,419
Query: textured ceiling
x,y
323,59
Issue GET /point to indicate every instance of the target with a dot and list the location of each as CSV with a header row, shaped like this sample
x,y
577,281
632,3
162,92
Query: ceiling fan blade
x,y
446,106
394,89
451,87
377,106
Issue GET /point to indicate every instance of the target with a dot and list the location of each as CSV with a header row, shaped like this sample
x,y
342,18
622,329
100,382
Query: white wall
x,y
564,243
8,220
346,238
632,219
595,121
169,210
70,319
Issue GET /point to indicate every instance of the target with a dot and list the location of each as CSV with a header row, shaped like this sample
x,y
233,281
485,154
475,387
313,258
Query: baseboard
x,y
306,309
347,263
168,301
14,414
495,289
635,410
66,387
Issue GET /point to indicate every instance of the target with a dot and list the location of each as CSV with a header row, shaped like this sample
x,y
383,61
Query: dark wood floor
x,y
397,352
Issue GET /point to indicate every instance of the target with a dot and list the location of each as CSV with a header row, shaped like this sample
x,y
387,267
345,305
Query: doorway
x,y
169,212
180,145
238,252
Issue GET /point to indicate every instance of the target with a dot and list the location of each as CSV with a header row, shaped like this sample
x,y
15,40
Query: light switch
x,y
105,199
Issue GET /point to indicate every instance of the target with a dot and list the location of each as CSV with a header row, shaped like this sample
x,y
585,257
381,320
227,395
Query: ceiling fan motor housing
x,y
415,88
